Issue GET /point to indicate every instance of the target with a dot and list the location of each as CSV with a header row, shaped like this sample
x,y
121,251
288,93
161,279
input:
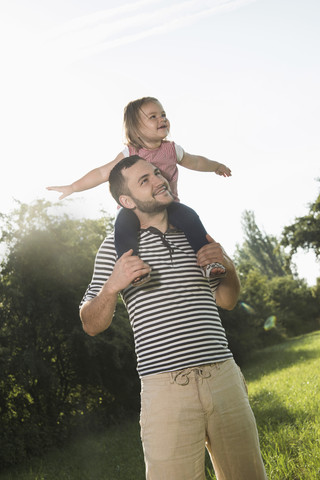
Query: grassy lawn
x,y
284,389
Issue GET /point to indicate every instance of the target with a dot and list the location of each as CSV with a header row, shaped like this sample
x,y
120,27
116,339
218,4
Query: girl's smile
x,y
154,125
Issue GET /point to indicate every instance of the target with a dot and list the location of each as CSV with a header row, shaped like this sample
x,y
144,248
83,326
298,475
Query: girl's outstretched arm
x,y
203,164
92,179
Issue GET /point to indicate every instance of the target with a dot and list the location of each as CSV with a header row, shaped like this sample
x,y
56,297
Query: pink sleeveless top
x,y
165,158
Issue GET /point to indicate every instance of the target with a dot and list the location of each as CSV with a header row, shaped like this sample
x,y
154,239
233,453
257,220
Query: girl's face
x,y
154,125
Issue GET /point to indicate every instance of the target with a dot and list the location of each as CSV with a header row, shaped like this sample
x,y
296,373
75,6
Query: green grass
x,y
284,388
114,455
284,384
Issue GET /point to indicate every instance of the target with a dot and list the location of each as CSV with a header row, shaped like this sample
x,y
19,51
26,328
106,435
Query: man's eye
x,y
163,115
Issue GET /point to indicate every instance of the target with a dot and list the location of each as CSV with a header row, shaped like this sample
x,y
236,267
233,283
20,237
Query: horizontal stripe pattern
x,y
174,317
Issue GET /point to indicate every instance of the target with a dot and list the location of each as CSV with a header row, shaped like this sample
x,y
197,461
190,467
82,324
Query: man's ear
x,y
127,202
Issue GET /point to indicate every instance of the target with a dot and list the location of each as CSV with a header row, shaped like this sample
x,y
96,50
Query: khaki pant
x,y
182,412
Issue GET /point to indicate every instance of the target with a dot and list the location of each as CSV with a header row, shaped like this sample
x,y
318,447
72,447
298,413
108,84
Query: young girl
x,y
146,129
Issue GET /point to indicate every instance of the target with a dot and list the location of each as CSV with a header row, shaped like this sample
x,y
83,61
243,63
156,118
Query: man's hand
x,y
96,314
126,269
211,253
227,292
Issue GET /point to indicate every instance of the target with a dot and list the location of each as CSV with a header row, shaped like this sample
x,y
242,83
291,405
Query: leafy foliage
x,y
305,232
52,375
260,251
269,288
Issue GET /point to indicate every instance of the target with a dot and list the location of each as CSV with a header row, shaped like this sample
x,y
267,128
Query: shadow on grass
x,y
115,454
269,410
280,356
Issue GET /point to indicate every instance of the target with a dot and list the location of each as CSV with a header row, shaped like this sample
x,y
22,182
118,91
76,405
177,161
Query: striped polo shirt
x,y
174,316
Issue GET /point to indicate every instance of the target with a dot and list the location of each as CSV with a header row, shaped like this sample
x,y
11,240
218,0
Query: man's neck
x,y
158,220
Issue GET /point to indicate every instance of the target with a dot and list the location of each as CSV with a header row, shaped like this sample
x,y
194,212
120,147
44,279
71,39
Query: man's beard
x,y
152,206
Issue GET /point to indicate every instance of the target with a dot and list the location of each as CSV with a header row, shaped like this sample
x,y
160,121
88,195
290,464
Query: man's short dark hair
x,y
117,182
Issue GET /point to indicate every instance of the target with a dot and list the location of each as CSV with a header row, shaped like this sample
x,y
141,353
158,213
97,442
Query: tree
x,y
292,302
52,374
305,231
269,288
260,251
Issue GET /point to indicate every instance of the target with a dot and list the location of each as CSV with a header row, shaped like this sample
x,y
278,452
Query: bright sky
x,y
239,80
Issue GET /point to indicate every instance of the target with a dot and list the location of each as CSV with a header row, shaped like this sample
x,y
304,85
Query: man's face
x,y
148,190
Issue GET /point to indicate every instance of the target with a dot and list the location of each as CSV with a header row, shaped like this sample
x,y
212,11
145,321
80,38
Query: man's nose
x,y
157,180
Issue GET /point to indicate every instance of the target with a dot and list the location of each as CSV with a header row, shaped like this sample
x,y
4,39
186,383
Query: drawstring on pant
x,y
182,377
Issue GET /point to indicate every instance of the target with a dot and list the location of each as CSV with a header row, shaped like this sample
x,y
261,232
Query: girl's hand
x,y
223,170
66,190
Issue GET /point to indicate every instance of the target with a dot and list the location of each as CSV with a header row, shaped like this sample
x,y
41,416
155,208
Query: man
x,y
192,392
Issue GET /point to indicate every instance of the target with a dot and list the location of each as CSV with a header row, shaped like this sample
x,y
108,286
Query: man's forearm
x,y
227,293
96,314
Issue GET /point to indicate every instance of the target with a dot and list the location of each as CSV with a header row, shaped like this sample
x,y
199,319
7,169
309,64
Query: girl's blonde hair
x,y
131,121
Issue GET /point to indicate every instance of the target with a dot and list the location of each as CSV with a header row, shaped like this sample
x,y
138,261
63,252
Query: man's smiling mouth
x,y
160,190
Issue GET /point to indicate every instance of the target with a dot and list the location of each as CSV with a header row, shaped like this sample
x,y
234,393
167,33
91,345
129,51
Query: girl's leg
x,y
187,220
126,231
